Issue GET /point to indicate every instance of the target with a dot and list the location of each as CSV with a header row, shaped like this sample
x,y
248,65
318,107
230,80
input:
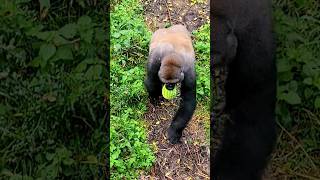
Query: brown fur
x,y
171,70
176,38
176,46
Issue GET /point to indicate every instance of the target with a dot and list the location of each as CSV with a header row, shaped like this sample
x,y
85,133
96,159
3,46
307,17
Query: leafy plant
x,y
129,150
297,59
202,50
298,34
51,90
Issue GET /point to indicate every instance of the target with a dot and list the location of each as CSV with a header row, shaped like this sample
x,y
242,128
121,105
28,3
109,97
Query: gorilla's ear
x,y
232,45
181,74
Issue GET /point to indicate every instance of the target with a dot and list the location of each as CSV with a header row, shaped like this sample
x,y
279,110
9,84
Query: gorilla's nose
x,y
170,86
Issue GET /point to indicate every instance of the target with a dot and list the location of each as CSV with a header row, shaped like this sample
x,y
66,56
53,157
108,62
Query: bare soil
x,y
159,13
188,160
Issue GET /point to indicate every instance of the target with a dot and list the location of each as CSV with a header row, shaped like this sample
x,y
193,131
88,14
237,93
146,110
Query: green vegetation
x,y
202,50
52,88
297,27
298,55
129,150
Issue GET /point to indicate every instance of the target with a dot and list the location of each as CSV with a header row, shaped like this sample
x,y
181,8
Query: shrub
x,y
51,90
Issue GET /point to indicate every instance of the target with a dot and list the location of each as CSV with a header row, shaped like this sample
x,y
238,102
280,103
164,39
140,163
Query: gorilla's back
x,y
175,38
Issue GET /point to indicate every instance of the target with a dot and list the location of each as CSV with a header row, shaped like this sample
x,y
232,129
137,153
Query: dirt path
x,y
159,13
189,160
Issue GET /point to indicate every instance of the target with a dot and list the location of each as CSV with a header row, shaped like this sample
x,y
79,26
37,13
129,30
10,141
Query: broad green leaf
x,y
47,51
69,30
87,35
293,85
292,98
46,35
49,156
94,72
310,69
295,37
116,35
24,23
68,161
84,21
64,52
34,30
307,81
59,40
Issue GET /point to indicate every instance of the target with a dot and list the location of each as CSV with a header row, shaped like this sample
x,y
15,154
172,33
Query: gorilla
x,y
171,61
242,42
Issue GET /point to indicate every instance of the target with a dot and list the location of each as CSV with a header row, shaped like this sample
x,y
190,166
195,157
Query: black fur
x,y
152,82
188,95
250,135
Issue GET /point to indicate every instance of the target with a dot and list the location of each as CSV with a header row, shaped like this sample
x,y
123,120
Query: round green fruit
x,y
169,94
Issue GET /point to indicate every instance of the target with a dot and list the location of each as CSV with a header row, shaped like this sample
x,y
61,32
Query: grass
x,y
129,150
298,34
52,88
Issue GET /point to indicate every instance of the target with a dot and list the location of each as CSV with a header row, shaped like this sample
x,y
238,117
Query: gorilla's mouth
x,y
170,86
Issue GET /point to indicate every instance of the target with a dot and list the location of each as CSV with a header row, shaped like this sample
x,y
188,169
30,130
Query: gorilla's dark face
x,y
171,71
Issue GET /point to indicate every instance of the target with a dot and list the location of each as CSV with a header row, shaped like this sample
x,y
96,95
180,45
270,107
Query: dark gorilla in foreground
x,y
242,41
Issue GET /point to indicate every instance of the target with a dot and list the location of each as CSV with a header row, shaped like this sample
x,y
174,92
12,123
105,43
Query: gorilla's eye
x,y
170,86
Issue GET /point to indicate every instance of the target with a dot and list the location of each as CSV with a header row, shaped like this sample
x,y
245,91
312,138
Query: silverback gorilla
x,y
242,41
171,61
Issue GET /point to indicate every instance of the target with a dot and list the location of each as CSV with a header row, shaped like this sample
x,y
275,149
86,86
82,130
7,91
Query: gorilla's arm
x,y
187,106
152,82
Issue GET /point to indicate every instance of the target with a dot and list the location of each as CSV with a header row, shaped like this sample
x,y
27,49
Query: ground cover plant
x,y
52,88
129,151
297,28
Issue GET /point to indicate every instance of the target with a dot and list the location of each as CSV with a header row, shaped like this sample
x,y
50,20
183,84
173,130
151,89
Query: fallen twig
x,y
299,144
